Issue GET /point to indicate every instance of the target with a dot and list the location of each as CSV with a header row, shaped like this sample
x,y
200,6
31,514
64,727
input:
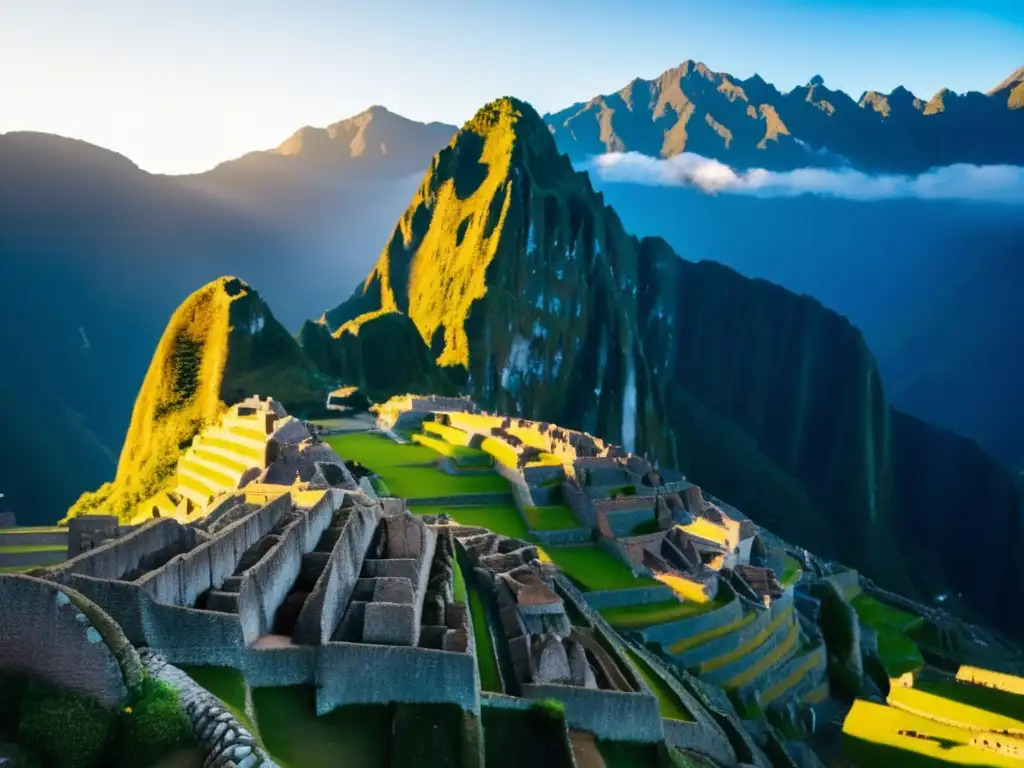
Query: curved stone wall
x,y
52,633
223,740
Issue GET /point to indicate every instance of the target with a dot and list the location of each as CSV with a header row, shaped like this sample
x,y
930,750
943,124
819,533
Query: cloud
x,y
985,183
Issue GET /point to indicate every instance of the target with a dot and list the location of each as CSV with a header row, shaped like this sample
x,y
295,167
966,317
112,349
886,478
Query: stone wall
x,y
607,714
34,538
579,504
562,538
719,646
119,556
612,598
728,671
847,582
186,576
326,603
354,673
46,633
274,667
265,585
30,558
223,740
673,631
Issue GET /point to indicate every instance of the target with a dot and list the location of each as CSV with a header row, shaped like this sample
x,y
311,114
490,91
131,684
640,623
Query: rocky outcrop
x,y
511,265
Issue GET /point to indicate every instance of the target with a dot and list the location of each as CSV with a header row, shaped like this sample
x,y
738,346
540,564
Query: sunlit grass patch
x,y
554,518
595,569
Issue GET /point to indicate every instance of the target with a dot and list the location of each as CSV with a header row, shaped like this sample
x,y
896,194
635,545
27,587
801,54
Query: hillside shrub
x,y
152,725
553,709
65,730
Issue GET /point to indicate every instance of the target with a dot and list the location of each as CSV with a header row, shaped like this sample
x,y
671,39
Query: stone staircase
x,y
219,456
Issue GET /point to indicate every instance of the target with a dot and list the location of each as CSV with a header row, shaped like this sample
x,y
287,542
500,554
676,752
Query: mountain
x,y
513,268
932,285
95,254
221,345
375,144
751,124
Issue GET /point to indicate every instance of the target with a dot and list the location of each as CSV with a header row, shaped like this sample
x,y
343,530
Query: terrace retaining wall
x,y
719,646
14,538
673,631
739,666
119,556
39,557
615,598
561,538
463,500
354,673
607,714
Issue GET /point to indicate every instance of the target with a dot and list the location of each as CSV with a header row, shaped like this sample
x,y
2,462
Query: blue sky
x,y
179,86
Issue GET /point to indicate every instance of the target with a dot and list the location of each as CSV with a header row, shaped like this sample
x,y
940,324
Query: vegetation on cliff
x,y
221,345
512,268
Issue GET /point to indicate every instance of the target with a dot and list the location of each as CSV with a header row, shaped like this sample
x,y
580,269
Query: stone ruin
x,y
543,645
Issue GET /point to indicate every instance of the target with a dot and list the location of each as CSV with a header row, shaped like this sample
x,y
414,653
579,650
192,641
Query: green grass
x,y
554,518
463,456
459,583
791,573
34,529
668,703
33,548
487,663
878,615
354,736
19,568
897,652
646,614
408,469
952,711
871,738
499,518
980,696
594,569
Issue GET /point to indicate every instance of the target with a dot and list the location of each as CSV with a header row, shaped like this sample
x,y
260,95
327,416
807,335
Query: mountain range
x,y
751,124
95,254
509,278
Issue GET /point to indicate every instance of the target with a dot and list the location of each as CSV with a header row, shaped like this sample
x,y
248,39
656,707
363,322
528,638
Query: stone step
x,y
248,441
194,490
256,552
231,584
250,455
230,466
213,476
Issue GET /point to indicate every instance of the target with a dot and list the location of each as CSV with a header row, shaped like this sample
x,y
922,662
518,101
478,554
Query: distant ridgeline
x,y
517,276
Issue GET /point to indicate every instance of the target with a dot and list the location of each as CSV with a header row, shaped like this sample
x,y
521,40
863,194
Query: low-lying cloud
x,y
986,183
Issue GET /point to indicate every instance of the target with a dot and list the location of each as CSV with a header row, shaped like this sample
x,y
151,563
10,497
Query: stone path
x,y
223,740
584,747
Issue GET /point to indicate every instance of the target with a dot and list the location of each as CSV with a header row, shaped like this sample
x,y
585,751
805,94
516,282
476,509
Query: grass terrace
x,y
409,471
668,703
21,549
460,454
992,700
499,518
486,661
660,612
593,569
357,736
791,572
950,710
897,652
872,736
694,640
554,518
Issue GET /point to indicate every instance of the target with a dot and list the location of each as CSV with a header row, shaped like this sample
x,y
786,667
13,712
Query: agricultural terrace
x,y
668,703
499,518
896,650
879,735
593,569
409,470
551,518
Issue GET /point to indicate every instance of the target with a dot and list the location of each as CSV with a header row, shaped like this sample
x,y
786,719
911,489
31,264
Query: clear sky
x,y
179,85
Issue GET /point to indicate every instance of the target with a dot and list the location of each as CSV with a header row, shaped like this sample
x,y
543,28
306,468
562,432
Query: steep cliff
x,y
382,353
221,345
512,268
